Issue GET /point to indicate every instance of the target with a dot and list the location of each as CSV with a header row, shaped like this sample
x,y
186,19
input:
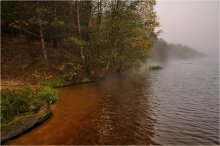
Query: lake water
x,y
176,105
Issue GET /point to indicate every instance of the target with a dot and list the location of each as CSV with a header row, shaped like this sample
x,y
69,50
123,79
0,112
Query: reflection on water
x,y
176,105
189,95
124,112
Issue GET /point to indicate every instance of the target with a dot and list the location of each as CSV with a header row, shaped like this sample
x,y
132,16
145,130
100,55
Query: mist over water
x,y
164,52
177,105
194,23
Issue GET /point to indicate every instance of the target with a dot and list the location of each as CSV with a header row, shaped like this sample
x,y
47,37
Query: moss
x,y
155,67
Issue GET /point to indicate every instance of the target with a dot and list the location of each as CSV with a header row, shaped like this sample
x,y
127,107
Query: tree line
x,y
111,35
163,51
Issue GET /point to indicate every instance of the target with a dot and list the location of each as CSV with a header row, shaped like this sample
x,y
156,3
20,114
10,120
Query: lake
x,y
176,105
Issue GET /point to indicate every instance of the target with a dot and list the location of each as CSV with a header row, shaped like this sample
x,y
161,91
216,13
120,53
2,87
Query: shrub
x,y
5,106
43,75
17,101
20,105
36,105
55,83
72,72
155,67
48,94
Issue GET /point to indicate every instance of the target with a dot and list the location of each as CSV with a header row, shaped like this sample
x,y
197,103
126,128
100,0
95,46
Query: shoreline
x,y
27,125
39,118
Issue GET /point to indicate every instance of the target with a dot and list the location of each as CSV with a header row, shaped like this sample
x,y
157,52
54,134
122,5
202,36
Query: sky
x,y
194,23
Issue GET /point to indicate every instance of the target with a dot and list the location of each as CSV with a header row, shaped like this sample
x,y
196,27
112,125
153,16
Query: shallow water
x,y
176,105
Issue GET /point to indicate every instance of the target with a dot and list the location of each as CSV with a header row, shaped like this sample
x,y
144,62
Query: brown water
x,y
176,105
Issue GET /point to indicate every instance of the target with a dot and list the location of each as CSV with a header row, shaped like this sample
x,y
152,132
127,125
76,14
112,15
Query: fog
x,y
194,23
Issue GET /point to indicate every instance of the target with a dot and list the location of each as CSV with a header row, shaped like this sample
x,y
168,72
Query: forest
x,y
163,51
46,44
109,72
100,36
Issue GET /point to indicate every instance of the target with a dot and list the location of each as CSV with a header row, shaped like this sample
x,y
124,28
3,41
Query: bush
x,y
55,83
18,101
5,106
155,67
48,94
72,72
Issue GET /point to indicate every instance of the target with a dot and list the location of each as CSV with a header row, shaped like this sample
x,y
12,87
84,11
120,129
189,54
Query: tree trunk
x,y
99,23
43,42
79,31
55,40
42,36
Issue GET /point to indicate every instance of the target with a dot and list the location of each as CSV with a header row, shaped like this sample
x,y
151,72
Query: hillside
x,y
163,51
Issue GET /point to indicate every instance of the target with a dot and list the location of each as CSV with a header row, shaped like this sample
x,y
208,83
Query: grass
x,y
18,101
47,94
155,67
55,83
22,100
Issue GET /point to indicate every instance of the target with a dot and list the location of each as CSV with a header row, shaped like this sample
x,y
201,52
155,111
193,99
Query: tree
x,y
79,31
104,35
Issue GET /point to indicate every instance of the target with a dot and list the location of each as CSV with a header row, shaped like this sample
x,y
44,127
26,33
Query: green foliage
x,y
104,35
72,72
155,67
124,36
41,17
76,40
5,106
47,94
57,23
18,101
55,83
